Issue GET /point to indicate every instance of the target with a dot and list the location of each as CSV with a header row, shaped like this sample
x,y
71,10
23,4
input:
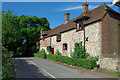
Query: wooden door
x,y
52,50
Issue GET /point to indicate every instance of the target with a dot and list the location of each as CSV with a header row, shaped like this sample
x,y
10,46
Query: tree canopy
x,y
20,33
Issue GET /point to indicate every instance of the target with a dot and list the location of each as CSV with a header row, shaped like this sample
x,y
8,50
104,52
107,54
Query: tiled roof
x,y
95,14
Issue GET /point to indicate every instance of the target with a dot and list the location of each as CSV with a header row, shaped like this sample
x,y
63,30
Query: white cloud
x,y
79,7
72,8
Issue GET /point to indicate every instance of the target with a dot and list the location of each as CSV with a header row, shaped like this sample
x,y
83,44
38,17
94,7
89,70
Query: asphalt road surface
x,y
39,68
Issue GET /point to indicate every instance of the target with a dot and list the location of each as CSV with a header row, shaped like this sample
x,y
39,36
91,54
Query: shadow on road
x,y
26,69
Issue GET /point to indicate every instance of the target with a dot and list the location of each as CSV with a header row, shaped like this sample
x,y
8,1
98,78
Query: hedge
x,y
8,71
41,54
83,63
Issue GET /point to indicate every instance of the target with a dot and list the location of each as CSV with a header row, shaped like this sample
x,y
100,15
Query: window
x,y
79,26
58,37
65,46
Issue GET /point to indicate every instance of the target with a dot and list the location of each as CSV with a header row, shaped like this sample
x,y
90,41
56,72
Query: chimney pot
x,y
85,7
67,17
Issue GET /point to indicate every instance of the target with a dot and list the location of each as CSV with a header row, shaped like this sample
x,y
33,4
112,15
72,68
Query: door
x,y
52,50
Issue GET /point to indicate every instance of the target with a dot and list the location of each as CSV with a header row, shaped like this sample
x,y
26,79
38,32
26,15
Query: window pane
x,y
64,47
77,26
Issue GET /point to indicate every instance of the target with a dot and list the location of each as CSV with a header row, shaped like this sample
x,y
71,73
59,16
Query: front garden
x,y
78,58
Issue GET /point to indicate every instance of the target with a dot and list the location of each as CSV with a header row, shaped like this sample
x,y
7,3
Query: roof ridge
x,y
104,8
108,7
74,18
98,7
54,28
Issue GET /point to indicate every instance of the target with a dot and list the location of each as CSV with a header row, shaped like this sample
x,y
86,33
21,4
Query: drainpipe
x,y
84,36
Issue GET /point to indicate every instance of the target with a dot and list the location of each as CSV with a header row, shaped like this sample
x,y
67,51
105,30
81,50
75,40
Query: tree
x,y
11,36
20,33
31,27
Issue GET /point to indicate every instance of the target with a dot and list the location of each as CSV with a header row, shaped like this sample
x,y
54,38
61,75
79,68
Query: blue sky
x,y
53,11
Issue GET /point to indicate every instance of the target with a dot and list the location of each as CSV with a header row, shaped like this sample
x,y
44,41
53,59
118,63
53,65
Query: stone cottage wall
x,y
65,38
110,63
44,43
93,45
93,32
110,30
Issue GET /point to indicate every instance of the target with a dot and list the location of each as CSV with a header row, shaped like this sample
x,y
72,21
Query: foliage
x,y
79,51
109,72
31,27
11,35
20,33
96,58
41,54
84,63
7,64
48,49
58,53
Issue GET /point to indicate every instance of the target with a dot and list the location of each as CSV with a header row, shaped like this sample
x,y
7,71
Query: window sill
x,y
58,40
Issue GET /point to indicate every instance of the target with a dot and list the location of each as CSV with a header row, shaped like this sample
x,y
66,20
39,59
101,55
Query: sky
x,y
53,11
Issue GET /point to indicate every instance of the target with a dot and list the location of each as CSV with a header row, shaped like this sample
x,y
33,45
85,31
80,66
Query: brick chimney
x,y
85,7
67,17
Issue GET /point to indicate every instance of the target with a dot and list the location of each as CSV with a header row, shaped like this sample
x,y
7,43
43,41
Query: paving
x,y
32,67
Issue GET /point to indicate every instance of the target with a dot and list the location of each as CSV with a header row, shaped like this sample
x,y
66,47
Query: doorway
x,y
52,50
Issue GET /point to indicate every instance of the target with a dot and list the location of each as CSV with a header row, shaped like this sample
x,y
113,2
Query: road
x,y
39,68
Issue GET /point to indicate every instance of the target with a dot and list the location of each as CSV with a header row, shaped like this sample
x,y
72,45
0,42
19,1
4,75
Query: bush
x,y
58,53
41,54
8,70
84,63
81,62
96,58
79,51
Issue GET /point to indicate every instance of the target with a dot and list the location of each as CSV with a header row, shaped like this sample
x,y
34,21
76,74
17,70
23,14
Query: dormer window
x,y
59,37
79,26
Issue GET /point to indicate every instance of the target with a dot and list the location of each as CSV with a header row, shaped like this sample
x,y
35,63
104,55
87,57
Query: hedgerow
x,y
8,71
81,62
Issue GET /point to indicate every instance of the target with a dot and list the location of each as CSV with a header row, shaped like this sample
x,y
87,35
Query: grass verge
x,y
112,73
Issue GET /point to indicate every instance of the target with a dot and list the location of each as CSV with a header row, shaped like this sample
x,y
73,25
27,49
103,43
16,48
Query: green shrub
x,y
58,53
49,49
79,51
81,62
41,54
8,70
84,63
96,58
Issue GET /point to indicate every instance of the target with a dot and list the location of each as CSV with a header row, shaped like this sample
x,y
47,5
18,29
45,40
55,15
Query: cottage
x,y
101,32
